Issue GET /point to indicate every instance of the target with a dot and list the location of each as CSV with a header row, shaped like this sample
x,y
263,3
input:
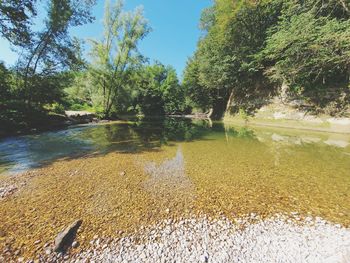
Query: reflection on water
x,y
169,177
21,153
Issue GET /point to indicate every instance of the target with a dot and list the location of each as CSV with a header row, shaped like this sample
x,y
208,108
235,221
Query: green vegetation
x,y
250,51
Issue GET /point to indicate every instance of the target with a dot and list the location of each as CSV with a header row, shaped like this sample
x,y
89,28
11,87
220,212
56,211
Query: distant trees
x,y
44,55
158,91
118,80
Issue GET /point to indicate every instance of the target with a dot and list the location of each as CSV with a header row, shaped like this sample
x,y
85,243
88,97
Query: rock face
x,y
65,238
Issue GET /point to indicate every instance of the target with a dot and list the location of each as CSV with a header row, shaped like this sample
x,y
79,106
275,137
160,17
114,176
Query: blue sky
x,y
174,30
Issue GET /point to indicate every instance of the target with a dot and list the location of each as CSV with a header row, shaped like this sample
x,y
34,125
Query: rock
x,y
65,238
204,258
75,244
46,245
123,173
2,233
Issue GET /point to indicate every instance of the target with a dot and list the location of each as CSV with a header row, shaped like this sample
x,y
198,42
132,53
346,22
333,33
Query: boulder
x,y
65,238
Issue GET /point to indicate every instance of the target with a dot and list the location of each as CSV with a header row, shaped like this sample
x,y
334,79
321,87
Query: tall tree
x,y
52,49
116,54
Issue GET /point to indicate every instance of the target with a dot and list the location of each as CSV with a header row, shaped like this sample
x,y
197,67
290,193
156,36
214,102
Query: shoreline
x,y
289,124
280,238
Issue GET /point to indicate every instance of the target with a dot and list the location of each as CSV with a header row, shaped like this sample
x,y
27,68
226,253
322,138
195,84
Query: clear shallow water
x,y
172,168
18,154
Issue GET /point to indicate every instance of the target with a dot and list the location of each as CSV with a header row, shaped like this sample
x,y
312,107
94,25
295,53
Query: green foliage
x,y
15,19
224,62
158,91
251,47
116,55
4,82
36,85
312,55
197,93
51,50
56,108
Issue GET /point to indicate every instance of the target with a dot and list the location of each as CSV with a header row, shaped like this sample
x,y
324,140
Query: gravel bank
x,y
14,183
277,239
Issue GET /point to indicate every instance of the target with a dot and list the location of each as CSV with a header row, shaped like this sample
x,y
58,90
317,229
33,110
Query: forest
x,y
249,52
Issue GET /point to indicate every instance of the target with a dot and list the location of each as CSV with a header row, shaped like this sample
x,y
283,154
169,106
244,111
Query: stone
x,y
123,173
203,258
65,238
46,245
75,244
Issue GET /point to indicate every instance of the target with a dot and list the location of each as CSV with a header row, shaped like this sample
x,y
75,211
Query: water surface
x,y
119,176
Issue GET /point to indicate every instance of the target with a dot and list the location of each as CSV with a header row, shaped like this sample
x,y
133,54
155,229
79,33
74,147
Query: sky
x,y
173,37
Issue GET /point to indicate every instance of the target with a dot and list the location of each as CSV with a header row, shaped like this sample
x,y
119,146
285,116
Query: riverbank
x,y
280,115
46,121
281,238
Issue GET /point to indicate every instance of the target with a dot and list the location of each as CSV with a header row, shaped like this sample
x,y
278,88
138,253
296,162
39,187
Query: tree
x,y
4,82
116,54
158,91
15,20
198,94
224,60
52,50
309,50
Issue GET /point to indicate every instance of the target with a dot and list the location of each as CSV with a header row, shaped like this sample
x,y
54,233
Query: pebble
x,y
75,244
200,239
204,259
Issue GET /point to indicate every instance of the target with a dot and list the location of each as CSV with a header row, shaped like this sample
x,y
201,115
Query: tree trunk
x,y
229,103
284,92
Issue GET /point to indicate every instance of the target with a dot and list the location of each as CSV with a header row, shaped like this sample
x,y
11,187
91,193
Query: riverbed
x,y
121,177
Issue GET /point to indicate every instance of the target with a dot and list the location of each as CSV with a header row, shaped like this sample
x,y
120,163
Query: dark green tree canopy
x,y
15,20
